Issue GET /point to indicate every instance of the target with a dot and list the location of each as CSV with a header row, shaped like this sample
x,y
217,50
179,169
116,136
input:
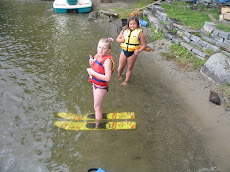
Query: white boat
x,y
82,6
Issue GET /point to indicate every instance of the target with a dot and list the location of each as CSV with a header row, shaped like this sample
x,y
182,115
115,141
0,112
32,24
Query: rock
x,y
217,69
102,16
209,27
214,98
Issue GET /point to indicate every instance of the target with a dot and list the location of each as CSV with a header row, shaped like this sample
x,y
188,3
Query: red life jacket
x,y
97,66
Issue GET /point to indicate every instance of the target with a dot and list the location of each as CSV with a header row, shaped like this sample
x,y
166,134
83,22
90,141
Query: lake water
x,y
43,60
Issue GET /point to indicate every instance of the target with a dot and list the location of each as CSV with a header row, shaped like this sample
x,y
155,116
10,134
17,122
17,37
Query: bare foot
x,y
119,77
124,83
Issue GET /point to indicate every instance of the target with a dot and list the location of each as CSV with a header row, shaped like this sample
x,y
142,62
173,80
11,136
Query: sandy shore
x,y
208,119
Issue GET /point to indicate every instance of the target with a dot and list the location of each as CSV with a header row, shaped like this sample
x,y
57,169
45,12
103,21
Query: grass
x,y
146,19
214,13
157,34
223,26
141,4
184,58
123,13
187,16
194,18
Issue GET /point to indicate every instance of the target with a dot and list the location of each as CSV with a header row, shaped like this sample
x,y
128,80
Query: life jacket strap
x,y
98,62
132,44
96,79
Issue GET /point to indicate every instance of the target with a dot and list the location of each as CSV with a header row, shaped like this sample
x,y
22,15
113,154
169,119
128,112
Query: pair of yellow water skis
x,y
87,122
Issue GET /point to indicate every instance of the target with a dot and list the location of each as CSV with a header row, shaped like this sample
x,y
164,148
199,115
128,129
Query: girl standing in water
x,y
132,41
102,67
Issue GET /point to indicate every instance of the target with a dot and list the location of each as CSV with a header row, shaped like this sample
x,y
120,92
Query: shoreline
x,y
211,121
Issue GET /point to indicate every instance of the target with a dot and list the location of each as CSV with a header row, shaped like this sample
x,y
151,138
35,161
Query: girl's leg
x,y
130,64
98,95
122,64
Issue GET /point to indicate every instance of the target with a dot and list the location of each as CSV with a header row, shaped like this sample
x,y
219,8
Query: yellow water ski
x,y
118,115
69,125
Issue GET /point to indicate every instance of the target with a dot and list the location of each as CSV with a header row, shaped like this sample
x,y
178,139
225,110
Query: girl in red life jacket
x,y
102,67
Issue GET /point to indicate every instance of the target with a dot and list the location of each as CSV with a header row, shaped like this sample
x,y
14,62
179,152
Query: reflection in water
x,y
43,59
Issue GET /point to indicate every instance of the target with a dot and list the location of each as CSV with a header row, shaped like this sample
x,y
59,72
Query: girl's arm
x,y
108,71
90,60
143,44
120,38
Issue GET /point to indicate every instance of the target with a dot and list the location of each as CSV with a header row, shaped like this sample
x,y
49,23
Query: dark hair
x,y
130,19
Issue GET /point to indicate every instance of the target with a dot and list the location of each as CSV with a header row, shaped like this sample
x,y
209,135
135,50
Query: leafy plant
x,y
157,34
146,19
197,34
198,63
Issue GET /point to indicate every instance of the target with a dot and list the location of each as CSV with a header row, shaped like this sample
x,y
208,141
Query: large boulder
x,y
217,69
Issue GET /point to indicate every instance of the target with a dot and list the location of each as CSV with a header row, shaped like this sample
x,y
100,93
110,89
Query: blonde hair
x,y
108,41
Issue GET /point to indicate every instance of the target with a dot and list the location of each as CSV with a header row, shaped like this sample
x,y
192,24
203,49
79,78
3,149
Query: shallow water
x,y
43,59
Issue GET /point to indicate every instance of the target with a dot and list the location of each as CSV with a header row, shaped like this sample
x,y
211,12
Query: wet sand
x,y
208,119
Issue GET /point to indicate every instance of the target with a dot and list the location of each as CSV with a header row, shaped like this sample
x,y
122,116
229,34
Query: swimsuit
x,y
100,87
127,53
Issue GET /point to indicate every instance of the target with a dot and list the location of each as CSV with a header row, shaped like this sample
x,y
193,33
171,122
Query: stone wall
x,y
199,42
210,39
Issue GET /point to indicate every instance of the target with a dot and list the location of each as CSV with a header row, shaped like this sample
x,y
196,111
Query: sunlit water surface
x,y
43,60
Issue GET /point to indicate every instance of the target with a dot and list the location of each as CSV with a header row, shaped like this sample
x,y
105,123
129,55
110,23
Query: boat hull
x,y
82,6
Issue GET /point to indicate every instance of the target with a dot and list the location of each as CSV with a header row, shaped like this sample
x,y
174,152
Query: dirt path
x,y
209,120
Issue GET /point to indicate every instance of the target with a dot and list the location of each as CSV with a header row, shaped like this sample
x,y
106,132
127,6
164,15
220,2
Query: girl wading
x,y
132,41
102,67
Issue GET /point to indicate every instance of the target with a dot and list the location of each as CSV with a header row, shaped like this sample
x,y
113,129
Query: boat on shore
x,y
81,6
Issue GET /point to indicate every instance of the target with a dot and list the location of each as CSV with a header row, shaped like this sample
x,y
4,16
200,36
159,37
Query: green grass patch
x,y
123,13
157,35
197,63
188,17
180,3
184,58
214,13
146,19
141,4
223,26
